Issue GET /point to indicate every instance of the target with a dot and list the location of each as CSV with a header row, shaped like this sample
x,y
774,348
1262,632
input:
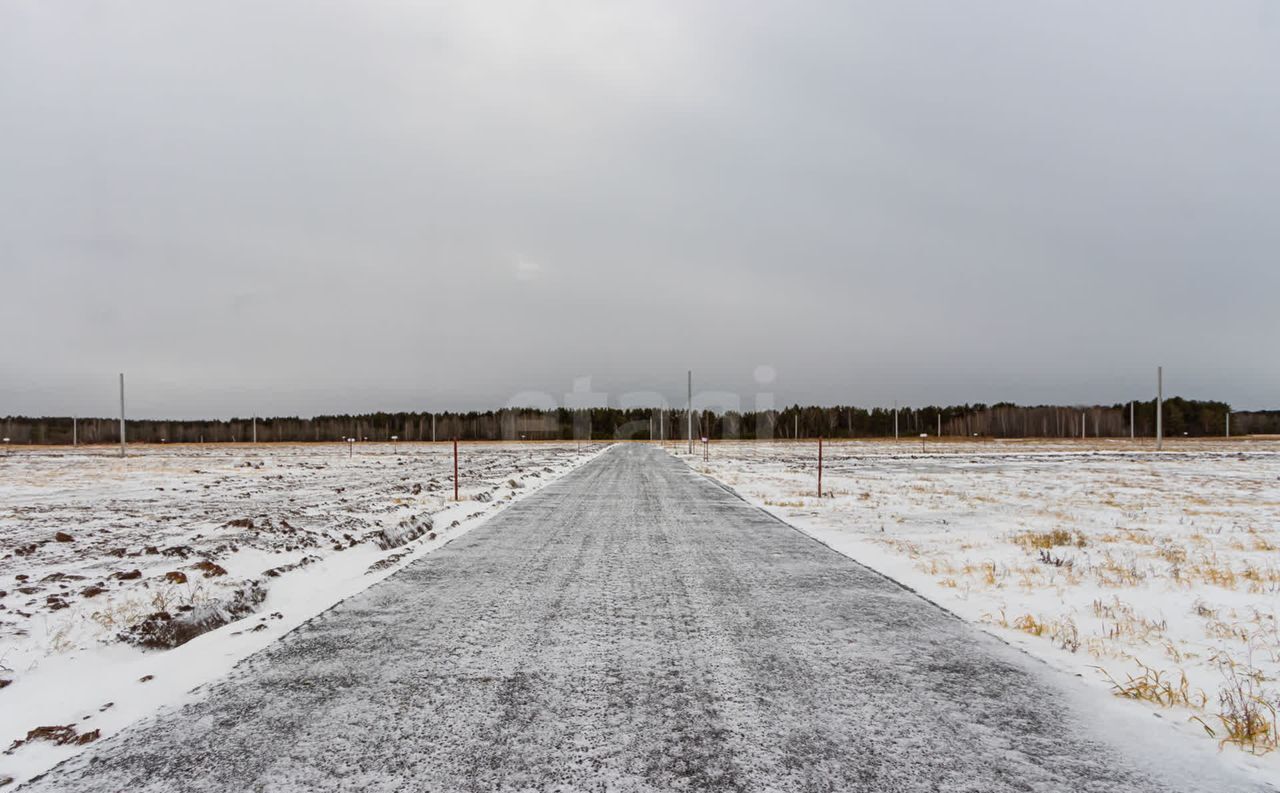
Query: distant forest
x,y
1004,420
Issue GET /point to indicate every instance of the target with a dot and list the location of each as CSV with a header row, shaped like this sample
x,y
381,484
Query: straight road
x,y
635,627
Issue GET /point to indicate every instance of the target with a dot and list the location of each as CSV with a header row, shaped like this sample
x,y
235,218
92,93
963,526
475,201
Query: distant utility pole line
x,y
1159,408
122,440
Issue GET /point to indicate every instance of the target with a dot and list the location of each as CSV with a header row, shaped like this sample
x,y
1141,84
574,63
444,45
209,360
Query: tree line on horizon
x,y
1193,418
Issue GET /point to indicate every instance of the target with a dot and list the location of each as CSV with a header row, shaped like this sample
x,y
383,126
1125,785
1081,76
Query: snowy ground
x,y
1154,575
106,562
635,627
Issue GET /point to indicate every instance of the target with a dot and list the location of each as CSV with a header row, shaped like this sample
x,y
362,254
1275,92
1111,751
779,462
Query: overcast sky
x,y
303,207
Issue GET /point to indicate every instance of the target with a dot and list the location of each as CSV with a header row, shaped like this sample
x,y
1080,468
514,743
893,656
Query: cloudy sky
x,y
300,207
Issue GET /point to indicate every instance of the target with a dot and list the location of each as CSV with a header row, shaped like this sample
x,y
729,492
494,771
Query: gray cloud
x,y
291,207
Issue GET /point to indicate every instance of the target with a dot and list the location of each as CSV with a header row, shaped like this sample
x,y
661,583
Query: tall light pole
x,y
689,415
1159,408
122,440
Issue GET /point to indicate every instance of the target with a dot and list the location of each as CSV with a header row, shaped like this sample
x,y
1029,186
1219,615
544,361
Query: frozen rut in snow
x,y
635,627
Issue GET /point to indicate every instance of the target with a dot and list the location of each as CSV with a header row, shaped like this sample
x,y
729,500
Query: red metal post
x,y
455,469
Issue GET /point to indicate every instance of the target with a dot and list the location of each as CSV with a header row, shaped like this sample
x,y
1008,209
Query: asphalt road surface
x,y
634,626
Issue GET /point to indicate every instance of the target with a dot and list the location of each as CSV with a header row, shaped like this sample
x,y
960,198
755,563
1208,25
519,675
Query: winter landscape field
x,y
124,583
127,583
1153,575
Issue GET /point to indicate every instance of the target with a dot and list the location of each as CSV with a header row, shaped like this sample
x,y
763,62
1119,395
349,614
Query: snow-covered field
x,y
1154,574
124,583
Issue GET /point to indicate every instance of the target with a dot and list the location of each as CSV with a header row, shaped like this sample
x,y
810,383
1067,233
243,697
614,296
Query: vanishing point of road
x,y
635,627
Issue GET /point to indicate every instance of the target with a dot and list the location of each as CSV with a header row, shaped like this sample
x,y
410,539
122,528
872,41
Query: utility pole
x,y
690,412
1132,431
1159,408
122,440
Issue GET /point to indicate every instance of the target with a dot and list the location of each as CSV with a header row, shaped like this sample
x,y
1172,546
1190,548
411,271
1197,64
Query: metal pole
x,y
819,466
122,438
433,428
75,436
895,419
1132,430
1159,408
690,412
1228,423
255,428
1082,427
939,423
455,469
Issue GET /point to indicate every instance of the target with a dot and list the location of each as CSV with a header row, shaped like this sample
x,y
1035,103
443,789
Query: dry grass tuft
x,y
1045,540
1247,713
1152,685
